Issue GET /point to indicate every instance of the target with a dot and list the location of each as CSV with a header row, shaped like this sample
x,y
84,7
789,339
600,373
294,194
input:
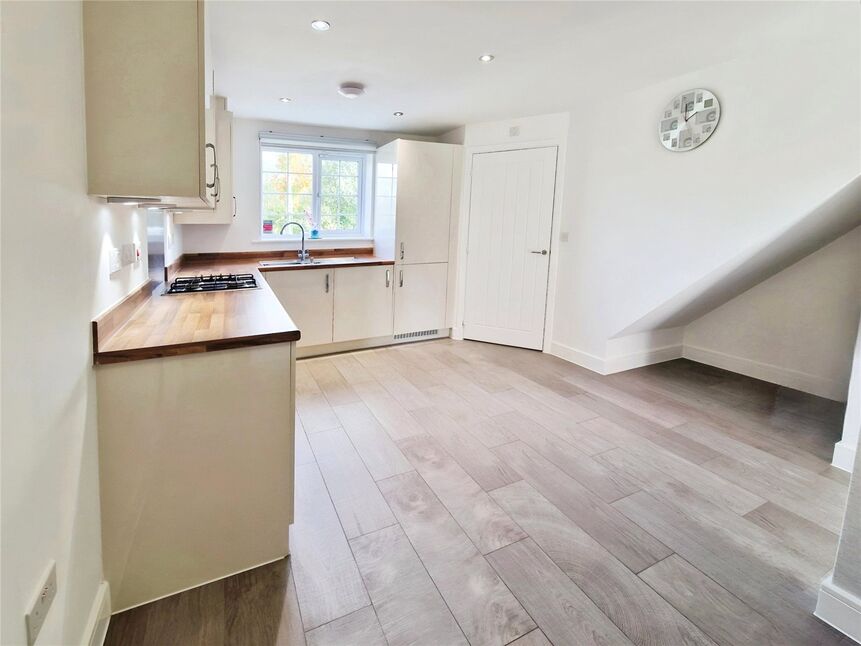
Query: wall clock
x,y
688,120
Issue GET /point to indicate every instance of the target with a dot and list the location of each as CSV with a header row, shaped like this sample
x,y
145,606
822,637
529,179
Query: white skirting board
x,y
100,614
816,385
613,365
839,608
844,456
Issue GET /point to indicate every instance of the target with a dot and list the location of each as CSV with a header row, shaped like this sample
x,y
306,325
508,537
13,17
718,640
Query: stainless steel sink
x,y
282,263
336,260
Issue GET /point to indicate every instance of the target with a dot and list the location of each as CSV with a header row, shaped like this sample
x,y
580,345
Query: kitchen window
x,y
324,190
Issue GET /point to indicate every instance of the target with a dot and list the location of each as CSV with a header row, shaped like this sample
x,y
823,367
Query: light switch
x,y
114,264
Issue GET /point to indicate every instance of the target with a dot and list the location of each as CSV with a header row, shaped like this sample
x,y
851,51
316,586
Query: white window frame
x,y
365,180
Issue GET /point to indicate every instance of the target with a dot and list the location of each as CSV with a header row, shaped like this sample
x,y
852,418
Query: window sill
x,y
313,242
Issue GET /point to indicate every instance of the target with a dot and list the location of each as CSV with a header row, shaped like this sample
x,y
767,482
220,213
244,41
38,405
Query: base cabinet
x,y
363,303
308,297
186,498
355,303
420,297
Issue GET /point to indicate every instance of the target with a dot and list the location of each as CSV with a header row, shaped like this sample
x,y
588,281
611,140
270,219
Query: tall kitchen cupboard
x,y
413,219
148,79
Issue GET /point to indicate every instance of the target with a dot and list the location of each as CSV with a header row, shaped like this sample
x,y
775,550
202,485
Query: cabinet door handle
x,y
213,165
388,278
401,278
234,206
402,251
543,252
327,283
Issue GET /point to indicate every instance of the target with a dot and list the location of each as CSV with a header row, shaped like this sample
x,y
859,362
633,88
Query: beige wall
x,y
797,328
55,243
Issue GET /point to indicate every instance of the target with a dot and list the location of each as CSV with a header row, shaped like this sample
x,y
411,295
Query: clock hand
x,y
692,114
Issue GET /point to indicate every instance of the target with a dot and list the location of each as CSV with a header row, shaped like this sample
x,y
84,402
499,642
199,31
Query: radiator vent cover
x,y
413,335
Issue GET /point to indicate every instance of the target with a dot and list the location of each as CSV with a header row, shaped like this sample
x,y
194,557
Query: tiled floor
x,y
465,493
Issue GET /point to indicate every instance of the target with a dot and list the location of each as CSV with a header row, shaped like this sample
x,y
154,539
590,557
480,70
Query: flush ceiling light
x,y
320,25
398,113
285,99
486,58
351,90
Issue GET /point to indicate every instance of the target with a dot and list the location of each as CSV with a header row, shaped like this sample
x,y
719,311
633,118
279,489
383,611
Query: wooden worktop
x,y
149,324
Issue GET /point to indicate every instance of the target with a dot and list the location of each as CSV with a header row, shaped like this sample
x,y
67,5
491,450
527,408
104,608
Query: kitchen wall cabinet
x,y
363,303
414,200
225,202
308,297
420,297
148,130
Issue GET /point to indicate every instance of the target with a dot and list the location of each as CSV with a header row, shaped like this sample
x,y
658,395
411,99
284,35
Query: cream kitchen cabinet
x,y
308,297
414,200
420,297
149,133
225,205
363,303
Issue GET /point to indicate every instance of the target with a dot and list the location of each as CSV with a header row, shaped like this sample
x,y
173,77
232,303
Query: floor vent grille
x,y
413,335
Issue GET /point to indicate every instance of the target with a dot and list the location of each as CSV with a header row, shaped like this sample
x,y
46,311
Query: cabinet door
x,y
363,302
420,297
424,177
225,205
145,99
307,295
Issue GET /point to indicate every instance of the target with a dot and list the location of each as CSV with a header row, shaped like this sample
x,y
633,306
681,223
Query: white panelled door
x,y
508,253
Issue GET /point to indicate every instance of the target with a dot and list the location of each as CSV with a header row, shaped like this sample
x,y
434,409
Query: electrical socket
x,y
41,604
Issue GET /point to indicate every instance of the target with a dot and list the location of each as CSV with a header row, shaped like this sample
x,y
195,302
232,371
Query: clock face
x,y
688,120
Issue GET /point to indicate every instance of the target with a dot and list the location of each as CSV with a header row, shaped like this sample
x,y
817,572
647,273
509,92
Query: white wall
x,y
797,328
54,280
244,233
645,223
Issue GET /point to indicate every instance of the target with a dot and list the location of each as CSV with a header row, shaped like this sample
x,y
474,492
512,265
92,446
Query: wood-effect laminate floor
x,y
453,492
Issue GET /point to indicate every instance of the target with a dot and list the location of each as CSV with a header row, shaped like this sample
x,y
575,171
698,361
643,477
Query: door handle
x,y
543,252
402,251
388,277
401,279
327,283
234,206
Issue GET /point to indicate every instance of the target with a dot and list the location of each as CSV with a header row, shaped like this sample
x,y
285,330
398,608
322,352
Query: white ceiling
x,y
422,57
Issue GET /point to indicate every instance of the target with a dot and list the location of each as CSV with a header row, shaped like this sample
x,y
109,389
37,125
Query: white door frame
x,y
463,229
